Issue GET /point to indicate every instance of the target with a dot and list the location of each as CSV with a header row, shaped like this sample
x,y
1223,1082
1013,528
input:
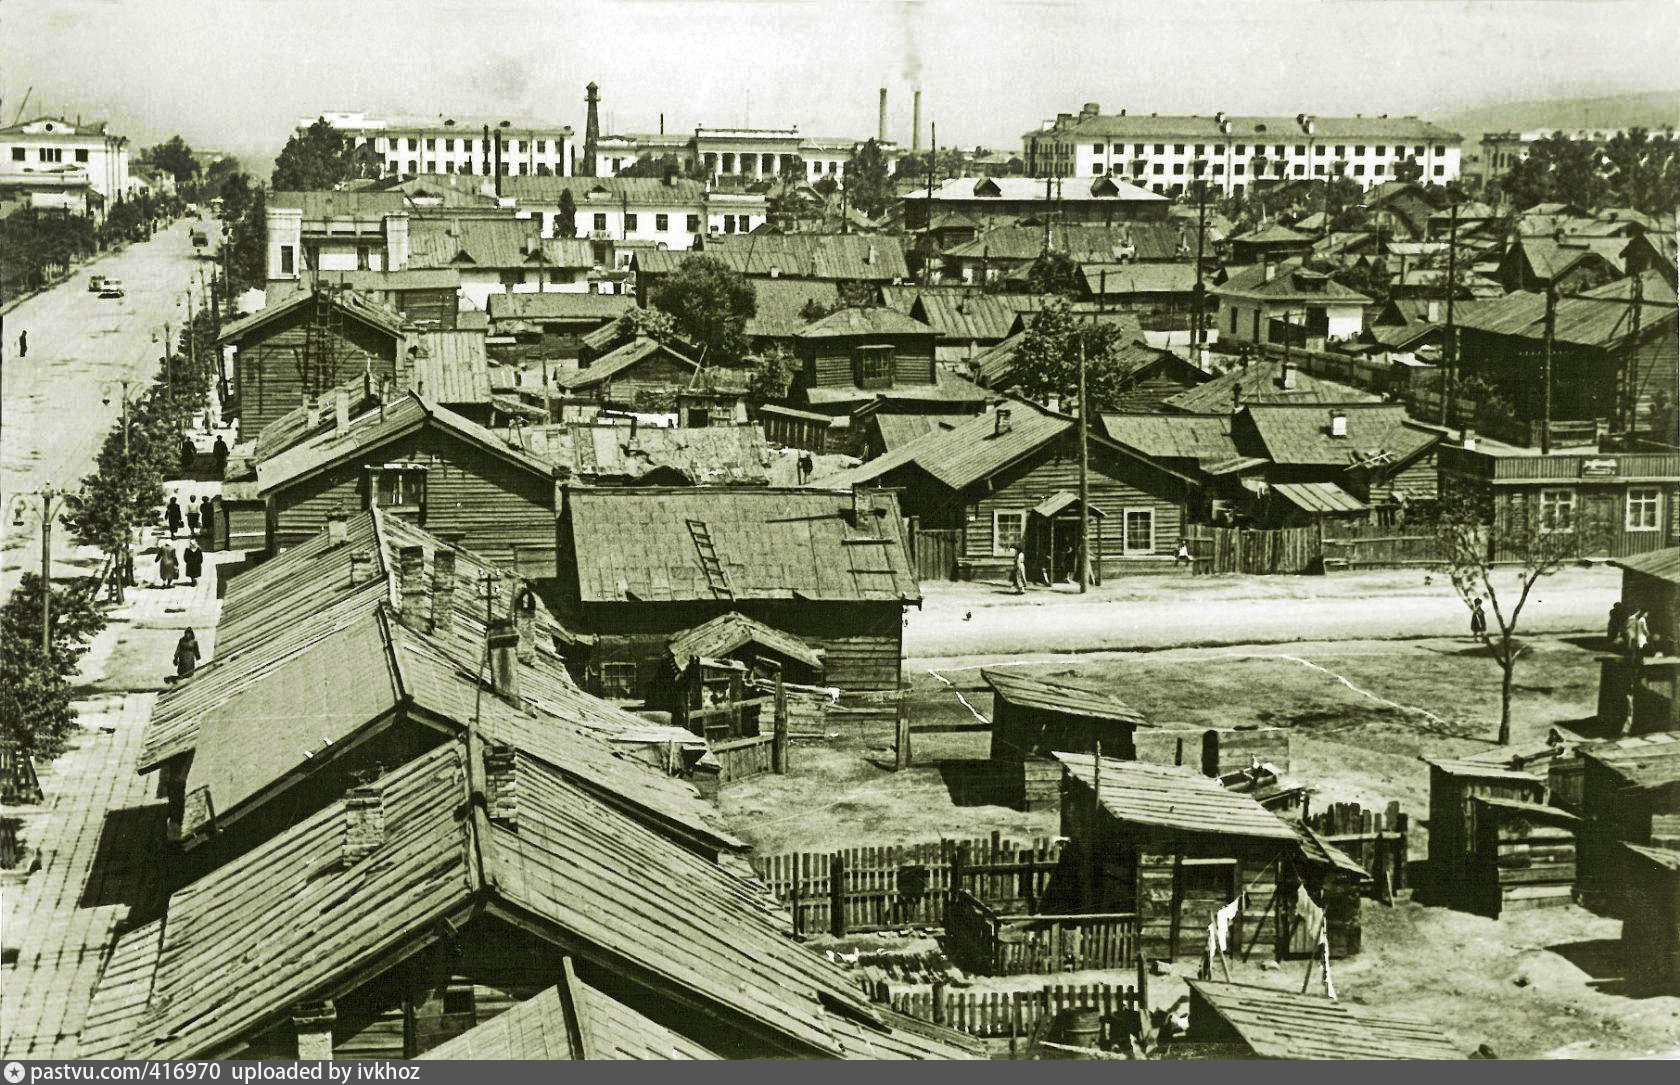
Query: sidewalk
x,y
100,833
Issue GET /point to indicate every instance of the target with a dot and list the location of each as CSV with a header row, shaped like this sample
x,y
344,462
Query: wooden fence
x,y
1288,550
1011,1013
907,885
935,551
740,758
1376,840
1367,546
984,940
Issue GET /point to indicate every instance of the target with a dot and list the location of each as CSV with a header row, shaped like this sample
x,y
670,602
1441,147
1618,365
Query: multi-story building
x,y
67,152
1160,152
729,153
667,212
1502,150
457,144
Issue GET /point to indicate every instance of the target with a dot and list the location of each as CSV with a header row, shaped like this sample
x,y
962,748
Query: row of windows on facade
x,y
47,154
1009,530
509,169
1642,509
1277,169
1377,151
509,146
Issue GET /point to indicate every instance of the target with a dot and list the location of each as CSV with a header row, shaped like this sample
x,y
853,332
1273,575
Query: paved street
x,y
56,412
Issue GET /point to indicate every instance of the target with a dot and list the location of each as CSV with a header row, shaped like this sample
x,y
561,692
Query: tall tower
x,y
916,120
591,130
881,124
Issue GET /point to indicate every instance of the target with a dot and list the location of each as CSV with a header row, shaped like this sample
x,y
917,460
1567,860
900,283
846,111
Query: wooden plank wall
x,y
983,939
1010,1013
1289,550
742,758
1522,864
1374,546
1375,839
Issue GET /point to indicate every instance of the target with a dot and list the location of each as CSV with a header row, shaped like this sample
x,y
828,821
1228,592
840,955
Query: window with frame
x,y
618,680
693,223
1139,528
52,154
1009,527
1557,510
400,488
600,222
662,222
82,155
872,367
1644,509
630,220
1160,148
431,143
414,144
288,260
20,154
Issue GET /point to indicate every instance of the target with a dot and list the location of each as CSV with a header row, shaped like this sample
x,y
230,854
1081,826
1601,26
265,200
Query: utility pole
x,y
1198,326
1546,372
51,501
1630,365
1450,381
1084,477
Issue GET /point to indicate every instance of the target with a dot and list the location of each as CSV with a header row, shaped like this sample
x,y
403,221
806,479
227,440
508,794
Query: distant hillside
x,y
1650,110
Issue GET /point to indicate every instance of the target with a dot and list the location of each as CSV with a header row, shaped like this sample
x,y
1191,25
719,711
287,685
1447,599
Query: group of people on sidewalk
x,y
170,564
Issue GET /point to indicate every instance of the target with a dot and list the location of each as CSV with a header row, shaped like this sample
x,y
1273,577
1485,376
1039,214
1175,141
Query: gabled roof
x,y
975,316
1259,382
1549,257
641,191
1173,798
1203,438
559,305
771,543
864,257
297,918
620,359
327,204
1081,242
780,312
377,427
731,632
896,430
349,302
945,388
1064,698
451,368
1104,280
490,245
1287,281
593,452
1273,233
1280,1024
864,320
1318,497
1299,435
1602,322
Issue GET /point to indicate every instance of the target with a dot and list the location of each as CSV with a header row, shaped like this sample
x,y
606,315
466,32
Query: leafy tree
x,y
1047,361
1556,169
657,166
710,305
867,182
826,185
565,220
947,162
653,323
771,375
1411,170
1055,273
1529,547
174,157
318,158
36,711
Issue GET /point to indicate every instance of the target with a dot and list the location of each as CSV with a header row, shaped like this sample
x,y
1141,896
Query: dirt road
x,y
61,400
1165,612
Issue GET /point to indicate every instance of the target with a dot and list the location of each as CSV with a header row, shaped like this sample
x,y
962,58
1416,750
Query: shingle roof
x,y
1649,760
1602,322
1300,435
1065,698
868,258
1290,1025
1258,383
730,632
709,455
864,320
540,1028
1287,281
1203,438
772,543
1080,242
1170,797
620,359
782,303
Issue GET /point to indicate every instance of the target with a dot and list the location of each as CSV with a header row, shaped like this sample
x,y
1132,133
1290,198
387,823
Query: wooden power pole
x,y
1546,372
1084,478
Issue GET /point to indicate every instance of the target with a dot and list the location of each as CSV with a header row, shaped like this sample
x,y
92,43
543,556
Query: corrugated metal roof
x,y
1054,695
1105,280
1318,497
322,204
1204,438
1290,1025
1169,797
1295,434
1099,189
772,543
976,317
1287,281
348,302
538,1028
451,368
1602,322
483,244
897,430
730,632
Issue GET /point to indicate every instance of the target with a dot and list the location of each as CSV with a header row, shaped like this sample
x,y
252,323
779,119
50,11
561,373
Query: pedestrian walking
x,y
806,467
1618,623
220,451
194,516
1478,620
172,517
23,344
193,560
1018,577
186,654
189,453
169,566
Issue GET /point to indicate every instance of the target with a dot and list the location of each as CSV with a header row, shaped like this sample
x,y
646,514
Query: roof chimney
x,y
364,822
504,658
411,584
869,257
311,413
1000,423
443,589
1467,439
313,1023
338,527
501,795
341,410
361,567
1286,375
1338,424
881,124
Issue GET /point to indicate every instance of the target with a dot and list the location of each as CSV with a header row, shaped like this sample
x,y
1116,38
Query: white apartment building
x,y
68,153
666,212
444,144
1159,152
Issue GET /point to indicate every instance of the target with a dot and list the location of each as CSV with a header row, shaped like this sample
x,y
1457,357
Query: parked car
x,y
112,288
96,283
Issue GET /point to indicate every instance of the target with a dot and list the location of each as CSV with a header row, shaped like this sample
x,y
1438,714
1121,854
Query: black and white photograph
x,y
836,529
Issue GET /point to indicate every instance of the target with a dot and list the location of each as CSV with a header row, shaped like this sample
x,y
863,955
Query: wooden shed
x,y
1453,784
1523,856
1650,582
1033,718
1651,927
1625,786
1237,1021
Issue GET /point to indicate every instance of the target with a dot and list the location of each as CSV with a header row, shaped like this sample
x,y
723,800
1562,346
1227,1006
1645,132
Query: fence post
x,y
901,742
837,895
798,862
779,737
939,1003
1143,984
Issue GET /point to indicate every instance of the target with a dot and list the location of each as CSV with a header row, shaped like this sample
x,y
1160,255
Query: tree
x,y
1047,361
1055,273
1531,546
867,183
653,323
36,711
948,162
659,166
1556,169
1411,170
710,305
565,219
318,158
175,158
245,206
771,375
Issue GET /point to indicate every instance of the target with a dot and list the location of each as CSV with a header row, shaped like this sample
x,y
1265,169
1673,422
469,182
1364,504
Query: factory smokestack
x,y
881,127
591,130
916,120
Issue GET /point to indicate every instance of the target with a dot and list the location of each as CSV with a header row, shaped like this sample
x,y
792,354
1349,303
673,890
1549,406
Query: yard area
x,y
1361,715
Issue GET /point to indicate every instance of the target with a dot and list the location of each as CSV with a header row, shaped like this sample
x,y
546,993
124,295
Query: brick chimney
x,y
411,583
338,527
313,1023
1286,375
311,413
364,822
591,130
341,410
504,659
501,794
443,590
1000,423
1467,439
881,124
361,567
396,241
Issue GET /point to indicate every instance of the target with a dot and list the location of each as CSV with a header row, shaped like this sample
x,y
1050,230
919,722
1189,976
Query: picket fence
x,y
1011,1013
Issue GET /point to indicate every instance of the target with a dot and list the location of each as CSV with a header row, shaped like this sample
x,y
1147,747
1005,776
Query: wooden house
x,y
620,453
427,464
447,891
1522,856
304,347
857,356
1238,1021
1651,924
1365,464
1033,718
526,328
639,566
1008,477
1650,582
1453,787
790,427
1153,376
1275,381
1626,786
1272,241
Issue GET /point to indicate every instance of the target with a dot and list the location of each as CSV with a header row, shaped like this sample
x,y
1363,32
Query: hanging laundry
x,y
1222,921
1310,914
1324,959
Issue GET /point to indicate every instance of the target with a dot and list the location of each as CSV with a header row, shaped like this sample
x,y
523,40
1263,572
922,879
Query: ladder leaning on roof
x,y
709,559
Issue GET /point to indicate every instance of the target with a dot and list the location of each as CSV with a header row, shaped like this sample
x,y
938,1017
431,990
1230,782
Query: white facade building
x,y
1159,152
666,212
69,153
747,153
443,144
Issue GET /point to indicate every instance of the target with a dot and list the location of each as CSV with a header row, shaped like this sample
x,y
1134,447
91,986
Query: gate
x,y
935,552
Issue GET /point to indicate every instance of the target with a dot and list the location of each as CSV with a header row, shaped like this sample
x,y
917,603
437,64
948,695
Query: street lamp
x,y
53,502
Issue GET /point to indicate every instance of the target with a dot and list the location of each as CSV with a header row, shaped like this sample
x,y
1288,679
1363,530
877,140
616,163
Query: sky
x,y
238,74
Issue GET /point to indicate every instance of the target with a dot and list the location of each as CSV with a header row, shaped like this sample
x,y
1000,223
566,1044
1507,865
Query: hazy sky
x,y
238,73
